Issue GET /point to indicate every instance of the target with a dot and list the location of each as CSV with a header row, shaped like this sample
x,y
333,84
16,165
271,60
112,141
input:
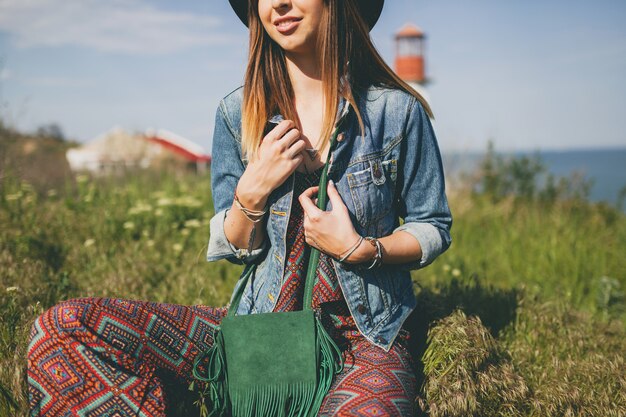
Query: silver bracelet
x,y
378,257
352,249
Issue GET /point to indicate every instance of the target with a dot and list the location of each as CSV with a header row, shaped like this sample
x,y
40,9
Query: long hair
x,y
346,53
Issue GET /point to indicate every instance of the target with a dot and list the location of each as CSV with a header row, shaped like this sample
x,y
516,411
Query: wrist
x,y
251,195
363,253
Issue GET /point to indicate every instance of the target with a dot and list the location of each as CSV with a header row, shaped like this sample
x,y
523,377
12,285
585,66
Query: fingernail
x,y
331,182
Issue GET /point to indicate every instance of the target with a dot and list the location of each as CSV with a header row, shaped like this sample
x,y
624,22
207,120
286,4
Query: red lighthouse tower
x,y
409,61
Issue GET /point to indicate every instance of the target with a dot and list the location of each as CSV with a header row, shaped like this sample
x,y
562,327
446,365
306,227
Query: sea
x,y
606,168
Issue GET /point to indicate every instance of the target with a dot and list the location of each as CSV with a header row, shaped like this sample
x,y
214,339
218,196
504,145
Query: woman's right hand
x,y
279,154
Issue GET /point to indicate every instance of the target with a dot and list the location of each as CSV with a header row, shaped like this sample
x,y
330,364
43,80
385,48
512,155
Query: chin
x,y
293,45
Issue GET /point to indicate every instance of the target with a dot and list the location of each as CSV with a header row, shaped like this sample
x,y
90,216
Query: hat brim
x,y
370,10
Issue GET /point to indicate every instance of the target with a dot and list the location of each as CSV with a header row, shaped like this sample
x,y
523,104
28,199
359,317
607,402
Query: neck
x,y
305,75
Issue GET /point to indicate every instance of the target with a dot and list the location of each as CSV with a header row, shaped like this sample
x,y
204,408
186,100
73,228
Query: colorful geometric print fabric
x,y
373,383
101,357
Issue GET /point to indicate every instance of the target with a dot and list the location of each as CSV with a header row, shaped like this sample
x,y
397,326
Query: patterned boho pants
x,y
104,357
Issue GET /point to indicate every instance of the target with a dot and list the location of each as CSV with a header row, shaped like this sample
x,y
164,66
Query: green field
x,y
523,316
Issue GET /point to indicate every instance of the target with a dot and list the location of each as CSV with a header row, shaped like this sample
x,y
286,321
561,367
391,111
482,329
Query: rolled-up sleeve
x,y
226,169
422,200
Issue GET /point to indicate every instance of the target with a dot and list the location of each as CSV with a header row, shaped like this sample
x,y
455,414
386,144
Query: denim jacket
x,y
392,172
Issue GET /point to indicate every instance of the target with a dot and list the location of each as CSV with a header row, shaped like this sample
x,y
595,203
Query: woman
x,y
312,68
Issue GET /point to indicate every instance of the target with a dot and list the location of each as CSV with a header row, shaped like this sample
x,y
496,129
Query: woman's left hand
x,y
331,231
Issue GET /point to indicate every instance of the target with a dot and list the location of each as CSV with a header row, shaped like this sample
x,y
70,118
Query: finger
x,y
296,161
306,201
333,195
297,147
288,138
310,192
280,129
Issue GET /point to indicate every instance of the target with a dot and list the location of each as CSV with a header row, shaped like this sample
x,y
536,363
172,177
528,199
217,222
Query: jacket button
x,y
381,340
377,172
361,309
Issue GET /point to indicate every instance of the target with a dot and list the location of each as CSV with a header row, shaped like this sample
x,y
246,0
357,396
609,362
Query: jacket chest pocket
x,y
372,188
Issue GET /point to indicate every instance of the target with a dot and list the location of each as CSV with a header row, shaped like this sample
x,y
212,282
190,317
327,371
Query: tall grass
x,y
524,315
569,250
517,225
141,237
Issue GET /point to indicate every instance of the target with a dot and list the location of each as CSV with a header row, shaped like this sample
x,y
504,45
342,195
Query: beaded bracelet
x,y
254,216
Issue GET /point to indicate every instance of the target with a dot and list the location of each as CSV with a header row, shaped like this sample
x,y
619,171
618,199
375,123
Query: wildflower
x,y
164,201
140,208
15,196
447,268
456,272
188,201
150,243
184,232
26,187
177,247
12,289
89,242
129,225
192,223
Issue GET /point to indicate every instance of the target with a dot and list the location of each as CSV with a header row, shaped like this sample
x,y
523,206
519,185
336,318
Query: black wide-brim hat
x,y
370,10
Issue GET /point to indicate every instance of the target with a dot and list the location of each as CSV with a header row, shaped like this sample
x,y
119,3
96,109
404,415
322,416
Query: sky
x,y
526,75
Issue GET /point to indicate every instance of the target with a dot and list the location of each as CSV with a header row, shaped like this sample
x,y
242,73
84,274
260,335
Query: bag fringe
x,y
331,363
272,400
216,375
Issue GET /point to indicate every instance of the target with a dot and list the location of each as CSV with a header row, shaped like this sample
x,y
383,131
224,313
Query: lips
x,y
287,24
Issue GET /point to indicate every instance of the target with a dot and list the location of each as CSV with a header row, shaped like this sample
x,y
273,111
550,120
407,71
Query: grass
x,y
523,316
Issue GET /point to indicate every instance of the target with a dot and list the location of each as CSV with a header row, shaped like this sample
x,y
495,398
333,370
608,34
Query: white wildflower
x,y
140,208
193,223
164,201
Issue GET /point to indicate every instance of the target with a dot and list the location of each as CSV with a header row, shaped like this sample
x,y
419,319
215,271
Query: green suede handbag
x,y
272,364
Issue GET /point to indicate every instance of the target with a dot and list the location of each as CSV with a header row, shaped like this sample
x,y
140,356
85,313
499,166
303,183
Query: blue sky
x,y
529,75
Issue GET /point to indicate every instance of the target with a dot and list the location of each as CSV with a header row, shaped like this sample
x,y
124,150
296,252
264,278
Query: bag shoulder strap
x,y
314,257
